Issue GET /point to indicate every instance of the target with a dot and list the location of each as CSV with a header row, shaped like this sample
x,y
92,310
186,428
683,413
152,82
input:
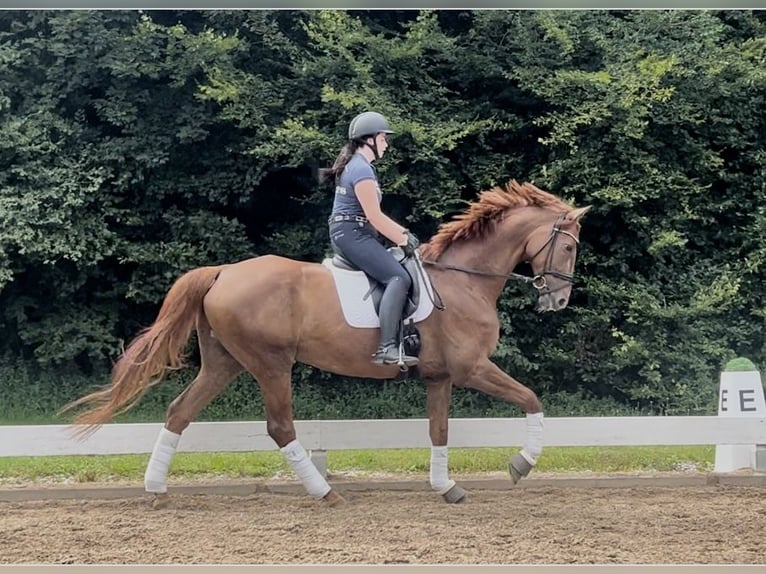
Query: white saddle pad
x,y
352,286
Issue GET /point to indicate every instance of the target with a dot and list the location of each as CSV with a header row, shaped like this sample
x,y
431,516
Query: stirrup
x,y
392,355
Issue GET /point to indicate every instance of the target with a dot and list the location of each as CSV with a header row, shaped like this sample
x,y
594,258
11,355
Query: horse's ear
x,y
576,214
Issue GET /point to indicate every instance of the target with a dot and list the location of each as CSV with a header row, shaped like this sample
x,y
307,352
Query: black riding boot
x,y
391,308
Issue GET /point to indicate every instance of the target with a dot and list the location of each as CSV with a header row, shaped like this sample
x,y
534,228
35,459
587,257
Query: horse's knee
x,y
282,432
531,403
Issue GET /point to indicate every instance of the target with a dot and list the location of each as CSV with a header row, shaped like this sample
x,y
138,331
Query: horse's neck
x,y
498,253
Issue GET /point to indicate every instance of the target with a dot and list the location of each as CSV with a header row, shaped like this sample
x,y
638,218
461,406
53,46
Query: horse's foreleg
x,y
277,398
488,378
438,397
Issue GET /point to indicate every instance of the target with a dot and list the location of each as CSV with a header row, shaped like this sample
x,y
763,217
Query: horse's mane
x,y
480,216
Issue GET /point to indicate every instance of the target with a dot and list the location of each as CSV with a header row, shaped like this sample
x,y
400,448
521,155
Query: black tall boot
x,y
391,308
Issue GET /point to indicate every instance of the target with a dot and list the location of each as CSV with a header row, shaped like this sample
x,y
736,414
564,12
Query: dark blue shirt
x,y
356,170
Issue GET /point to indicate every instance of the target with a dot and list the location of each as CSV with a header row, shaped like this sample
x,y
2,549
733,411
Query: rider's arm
x,y
367,194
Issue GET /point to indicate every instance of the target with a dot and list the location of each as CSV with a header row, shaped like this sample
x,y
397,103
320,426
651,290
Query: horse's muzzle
x,y
552,301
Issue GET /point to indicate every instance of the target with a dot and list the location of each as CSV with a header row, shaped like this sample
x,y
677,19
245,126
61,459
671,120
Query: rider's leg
x,y
358,244
391,307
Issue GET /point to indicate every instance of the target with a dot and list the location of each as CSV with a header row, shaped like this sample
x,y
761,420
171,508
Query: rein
x,y
538,281
472,271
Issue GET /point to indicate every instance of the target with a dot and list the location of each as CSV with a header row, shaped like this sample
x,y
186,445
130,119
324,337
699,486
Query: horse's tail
x,y
151,354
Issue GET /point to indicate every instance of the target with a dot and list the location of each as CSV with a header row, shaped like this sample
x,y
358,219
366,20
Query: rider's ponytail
x,y
332,173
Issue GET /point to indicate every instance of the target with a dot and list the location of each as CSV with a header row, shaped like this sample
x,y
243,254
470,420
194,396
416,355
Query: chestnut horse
x,y
267,313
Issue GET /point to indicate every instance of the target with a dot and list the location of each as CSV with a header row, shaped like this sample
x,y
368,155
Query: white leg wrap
x,y
533,448
440,480
155,477
299,460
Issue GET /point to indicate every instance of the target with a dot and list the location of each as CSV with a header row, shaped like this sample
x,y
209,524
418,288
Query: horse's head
x,y
551,251
508,225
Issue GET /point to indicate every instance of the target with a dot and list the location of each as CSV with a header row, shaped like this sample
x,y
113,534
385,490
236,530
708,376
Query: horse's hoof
x,y
334,499
519,467
454,495
160,501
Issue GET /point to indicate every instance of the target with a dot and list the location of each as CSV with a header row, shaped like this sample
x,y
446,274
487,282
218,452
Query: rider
x,y
357,222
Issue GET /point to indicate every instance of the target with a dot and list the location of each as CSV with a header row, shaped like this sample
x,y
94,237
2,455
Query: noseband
x,y
539,281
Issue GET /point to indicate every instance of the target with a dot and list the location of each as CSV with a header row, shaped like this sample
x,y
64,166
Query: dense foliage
x,y
138,145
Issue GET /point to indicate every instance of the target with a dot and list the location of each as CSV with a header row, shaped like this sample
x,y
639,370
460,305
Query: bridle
x,y
539,281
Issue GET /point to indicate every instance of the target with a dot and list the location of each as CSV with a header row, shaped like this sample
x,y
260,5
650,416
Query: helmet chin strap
x,y
374,147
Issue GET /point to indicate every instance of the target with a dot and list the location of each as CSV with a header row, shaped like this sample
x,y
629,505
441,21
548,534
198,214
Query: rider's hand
x,y
411,245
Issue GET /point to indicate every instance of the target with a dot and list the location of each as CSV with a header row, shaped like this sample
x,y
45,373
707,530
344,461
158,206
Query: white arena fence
x,y
320,436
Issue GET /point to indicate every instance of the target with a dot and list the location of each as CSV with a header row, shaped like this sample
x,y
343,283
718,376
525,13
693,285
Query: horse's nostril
x,y
562,302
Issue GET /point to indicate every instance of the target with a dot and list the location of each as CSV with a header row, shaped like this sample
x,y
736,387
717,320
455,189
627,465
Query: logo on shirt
x,y
340,190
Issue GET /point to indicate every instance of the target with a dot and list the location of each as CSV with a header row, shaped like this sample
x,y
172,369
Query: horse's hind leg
x,y
218,369
273,373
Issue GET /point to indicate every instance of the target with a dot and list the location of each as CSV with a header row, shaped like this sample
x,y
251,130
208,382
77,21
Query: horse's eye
x,y
568,247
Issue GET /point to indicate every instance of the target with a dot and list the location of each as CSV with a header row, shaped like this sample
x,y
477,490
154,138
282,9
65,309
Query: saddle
x,y
360,297
410,264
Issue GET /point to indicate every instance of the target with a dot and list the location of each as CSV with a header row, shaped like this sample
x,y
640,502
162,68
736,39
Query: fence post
x,y
760,457
740,395
319,458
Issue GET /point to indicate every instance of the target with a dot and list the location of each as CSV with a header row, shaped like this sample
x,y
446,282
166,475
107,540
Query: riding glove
x,y
411,245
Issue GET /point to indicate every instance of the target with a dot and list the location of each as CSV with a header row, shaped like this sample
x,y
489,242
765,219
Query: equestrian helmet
x,y
368,124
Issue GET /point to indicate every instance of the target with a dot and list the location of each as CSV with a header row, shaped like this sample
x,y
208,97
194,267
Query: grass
x,y
105,468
